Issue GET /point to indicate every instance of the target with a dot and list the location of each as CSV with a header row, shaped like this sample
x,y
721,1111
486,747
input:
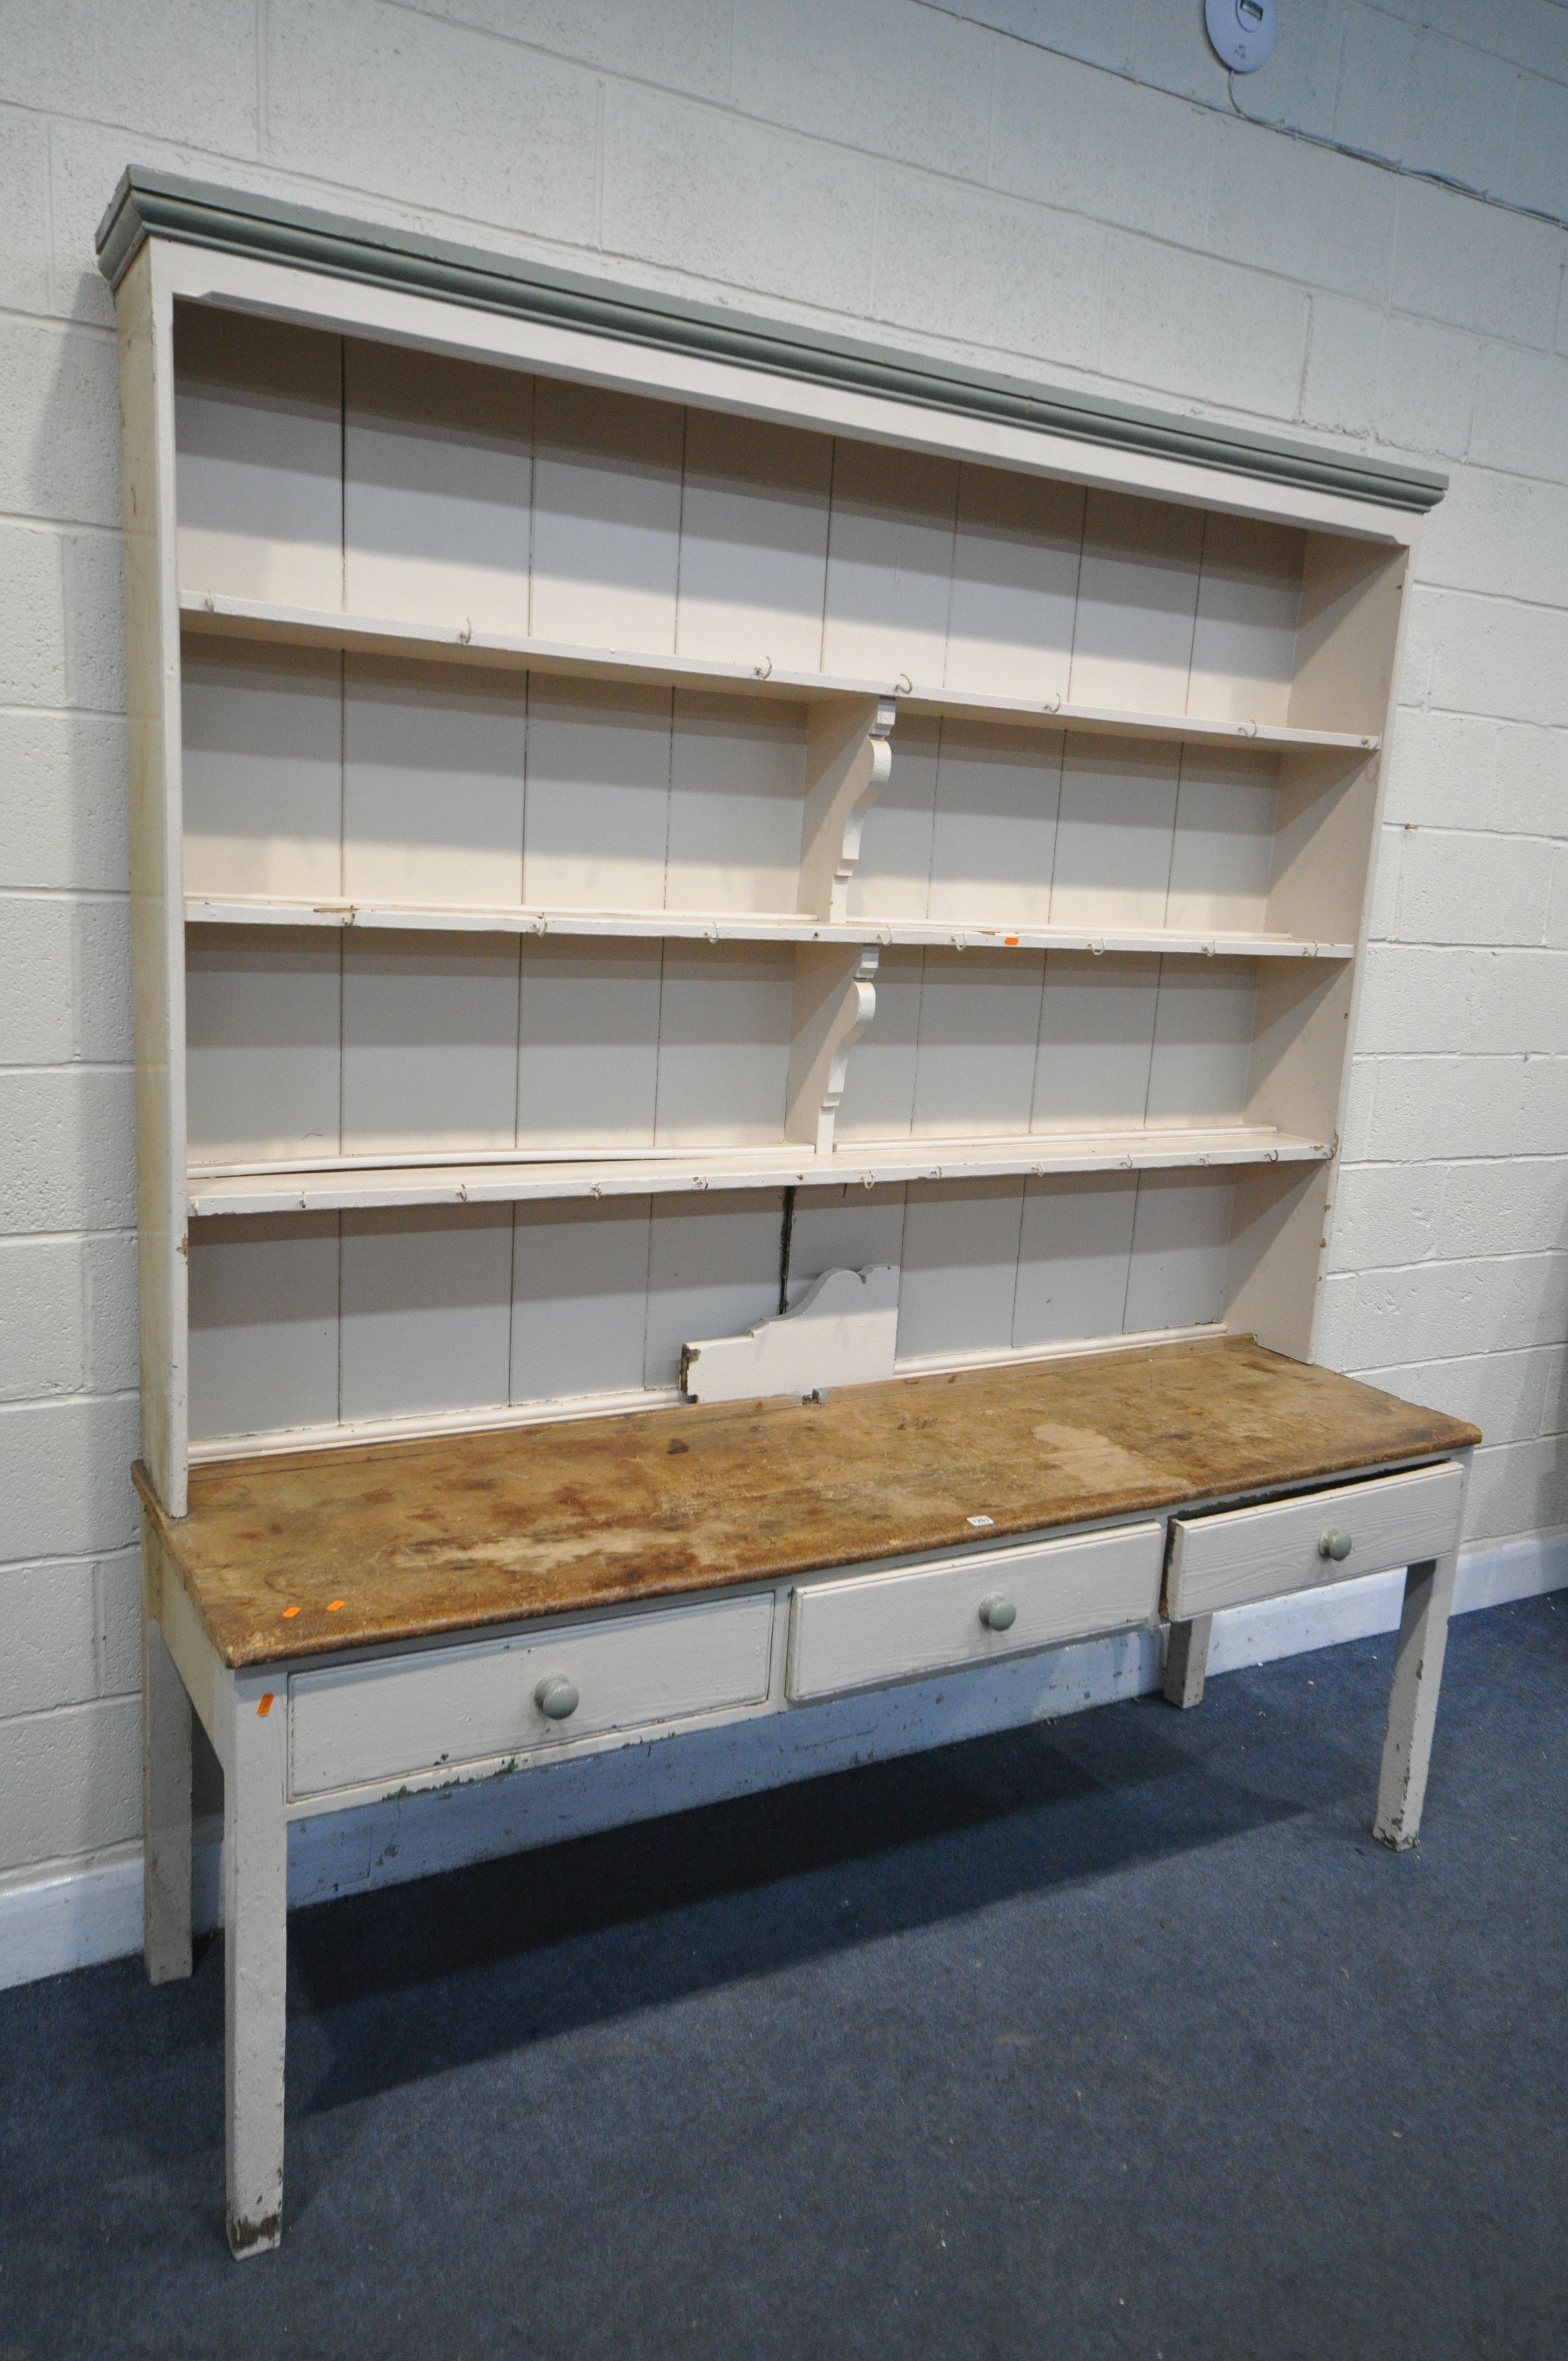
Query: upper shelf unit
x,y
634,808
375,498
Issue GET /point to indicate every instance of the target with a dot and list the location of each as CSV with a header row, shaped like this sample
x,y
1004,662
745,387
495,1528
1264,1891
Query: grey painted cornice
x,y
159,204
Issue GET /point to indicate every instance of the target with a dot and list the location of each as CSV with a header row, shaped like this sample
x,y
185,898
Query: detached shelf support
x,y
848,764
843,1331
834,1000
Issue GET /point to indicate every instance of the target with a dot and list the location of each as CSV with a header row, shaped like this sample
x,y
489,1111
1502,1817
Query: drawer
x,y
352,1725
1249,1554
866,1628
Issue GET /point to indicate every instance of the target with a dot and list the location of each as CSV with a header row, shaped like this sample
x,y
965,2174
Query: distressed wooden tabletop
x,y
317,1551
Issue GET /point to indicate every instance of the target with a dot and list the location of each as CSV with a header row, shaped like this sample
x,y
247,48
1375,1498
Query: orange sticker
x,y
1012,941
287,1611
333,1604
265,1707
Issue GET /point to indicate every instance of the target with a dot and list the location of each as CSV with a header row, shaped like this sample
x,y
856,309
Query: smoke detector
x,y
1242,32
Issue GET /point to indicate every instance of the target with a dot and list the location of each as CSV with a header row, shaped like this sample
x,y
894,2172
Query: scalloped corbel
x,y
834,1000
847,761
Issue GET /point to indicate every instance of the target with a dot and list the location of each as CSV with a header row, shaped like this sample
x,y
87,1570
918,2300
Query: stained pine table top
x,y
312,1551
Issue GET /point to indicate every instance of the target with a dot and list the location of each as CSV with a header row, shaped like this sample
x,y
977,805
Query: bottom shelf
x,y
502,1176
422,1426
365,1322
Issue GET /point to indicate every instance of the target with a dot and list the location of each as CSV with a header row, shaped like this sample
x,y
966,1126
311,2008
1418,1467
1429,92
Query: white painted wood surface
x,y
1258,1553
252,1742
607,517
1137,597
834,1000
148,467
1186,1660
1418,1677
865,1629
848,764
217,615
722,926
258,446
357,1724
403,1321
392,316
437,489
293,1185
166,1788
843,1331
754,512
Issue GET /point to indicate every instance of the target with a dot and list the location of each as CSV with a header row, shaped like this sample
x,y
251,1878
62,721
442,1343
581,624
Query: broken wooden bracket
x,y
848,764
834,1000
843,1331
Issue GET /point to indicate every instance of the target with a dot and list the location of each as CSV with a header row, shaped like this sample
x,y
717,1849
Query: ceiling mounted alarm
x,y
1242,31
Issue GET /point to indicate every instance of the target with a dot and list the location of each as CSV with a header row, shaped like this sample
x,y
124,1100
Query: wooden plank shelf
x,y
573,1517
503,1177
731,926
260,621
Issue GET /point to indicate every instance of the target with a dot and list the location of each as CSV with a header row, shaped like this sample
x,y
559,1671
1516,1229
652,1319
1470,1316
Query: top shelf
x,y
256,621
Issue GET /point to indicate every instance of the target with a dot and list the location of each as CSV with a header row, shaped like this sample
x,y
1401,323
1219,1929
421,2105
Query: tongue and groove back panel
x,y
325,786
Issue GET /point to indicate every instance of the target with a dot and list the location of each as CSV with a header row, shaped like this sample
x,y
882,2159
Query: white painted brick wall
x,y
1052,185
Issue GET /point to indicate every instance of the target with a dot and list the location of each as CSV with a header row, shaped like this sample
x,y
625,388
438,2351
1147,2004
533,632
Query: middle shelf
x,y
355,1067
328,791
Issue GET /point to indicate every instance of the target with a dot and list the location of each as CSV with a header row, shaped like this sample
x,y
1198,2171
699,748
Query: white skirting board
x,y
77,1914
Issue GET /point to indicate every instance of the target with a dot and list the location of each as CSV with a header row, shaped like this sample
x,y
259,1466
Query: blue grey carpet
x,y
1117,2037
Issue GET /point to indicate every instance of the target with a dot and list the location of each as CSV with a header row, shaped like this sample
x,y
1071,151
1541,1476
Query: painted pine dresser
x,y
744,950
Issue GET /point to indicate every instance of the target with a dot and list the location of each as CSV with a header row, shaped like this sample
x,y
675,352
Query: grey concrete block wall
x,y
1034,184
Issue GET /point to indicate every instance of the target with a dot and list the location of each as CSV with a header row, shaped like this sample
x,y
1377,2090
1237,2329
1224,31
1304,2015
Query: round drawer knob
x,y
557,1697
998,1614
1335,1545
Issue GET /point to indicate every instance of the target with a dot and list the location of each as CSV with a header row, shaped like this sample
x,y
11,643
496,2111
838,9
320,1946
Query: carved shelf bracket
x,y
834,1000
847,763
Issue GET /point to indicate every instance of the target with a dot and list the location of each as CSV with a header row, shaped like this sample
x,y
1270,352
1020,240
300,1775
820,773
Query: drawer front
x,y
1250,1554
360,1724
869,1628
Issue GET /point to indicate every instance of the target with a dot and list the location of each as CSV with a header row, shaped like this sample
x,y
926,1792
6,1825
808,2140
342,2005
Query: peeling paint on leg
x,y
255,2237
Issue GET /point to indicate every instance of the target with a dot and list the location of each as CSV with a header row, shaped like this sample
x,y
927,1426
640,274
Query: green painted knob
x,y
557,1697
1335,1545
998,1614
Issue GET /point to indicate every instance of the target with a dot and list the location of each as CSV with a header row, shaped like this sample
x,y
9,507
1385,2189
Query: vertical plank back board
x,y
259,429
1137,597
753,543
607,518
263,770
890,564
438,469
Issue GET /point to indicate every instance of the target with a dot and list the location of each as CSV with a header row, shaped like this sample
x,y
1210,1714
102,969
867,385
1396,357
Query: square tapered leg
x,y
1187,1661
164,1795
256,1896
1412,1701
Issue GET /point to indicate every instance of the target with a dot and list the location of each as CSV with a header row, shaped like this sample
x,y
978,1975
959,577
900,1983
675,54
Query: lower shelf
x,y
502,1176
